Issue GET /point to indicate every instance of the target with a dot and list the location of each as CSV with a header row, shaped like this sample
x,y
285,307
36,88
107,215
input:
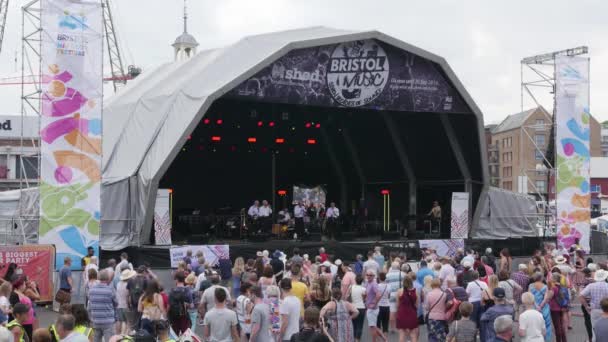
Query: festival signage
x,y
443,247
460,215
211,253
70,135
573,201
162,218
362,73
37,262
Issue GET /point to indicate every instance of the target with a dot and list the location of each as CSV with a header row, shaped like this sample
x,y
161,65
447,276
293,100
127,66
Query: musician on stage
x,y
299,211
435,215
253,214
265,215
332,214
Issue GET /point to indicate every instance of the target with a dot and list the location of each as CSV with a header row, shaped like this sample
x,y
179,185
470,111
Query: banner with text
x,y
37,263
212,253
70,127
572,138
460,215
162,218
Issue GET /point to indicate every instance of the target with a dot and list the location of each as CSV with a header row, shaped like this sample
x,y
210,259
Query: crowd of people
x,y
276,297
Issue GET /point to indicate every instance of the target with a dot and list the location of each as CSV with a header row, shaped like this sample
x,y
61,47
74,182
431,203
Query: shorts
x,y
372,317
121,314
393,306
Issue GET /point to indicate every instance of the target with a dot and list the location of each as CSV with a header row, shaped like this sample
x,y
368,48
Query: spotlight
x,y
311,141
318,125
216,138
219,121
271,124
308,124
252,140
385,192
260,123
279,140
282,192
206,121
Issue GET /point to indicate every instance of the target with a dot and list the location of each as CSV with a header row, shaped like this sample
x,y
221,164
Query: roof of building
x,y
514,121
599,167
186,39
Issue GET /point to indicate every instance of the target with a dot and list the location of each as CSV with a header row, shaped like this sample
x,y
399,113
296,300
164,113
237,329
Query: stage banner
x,y
460,215
572,116
212,253
70,135
162,218
363,73
37,262
443,247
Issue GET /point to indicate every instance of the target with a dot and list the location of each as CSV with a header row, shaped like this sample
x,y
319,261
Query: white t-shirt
x,y
475,289
220,322
209,296
532,322
371,265
357,296
446,271
291,307
241,313
385,290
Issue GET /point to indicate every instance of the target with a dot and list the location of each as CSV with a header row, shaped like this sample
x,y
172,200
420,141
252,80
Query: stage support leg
x,y
274,183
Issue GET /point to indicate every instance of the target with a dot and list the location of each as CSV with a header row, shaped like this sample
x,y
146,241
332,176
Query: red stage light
x,y
252,140
260,123
311,141
385,192
216,138
170,191
318,125
271,124
282,192
308,124
219,121
280,140
189,137
206,121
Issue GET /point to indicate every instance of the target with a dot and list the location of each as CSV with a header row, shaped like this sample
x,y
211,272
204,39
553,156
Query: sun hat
x,y
326,263
601,275
467,264
560,260
127,274
338,262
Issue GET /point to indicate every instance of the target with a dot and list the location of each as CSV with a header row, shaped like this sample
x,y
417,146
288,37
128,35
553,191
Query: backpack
x,y
136,290
563,297
177,301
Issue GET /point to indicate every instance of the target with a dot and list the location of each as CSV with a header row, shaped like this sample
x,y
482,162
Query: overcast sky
x,y
482,40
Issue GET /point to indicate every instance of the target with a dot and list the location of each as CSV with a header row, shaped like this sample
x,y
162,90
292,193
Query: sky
x,y
483,41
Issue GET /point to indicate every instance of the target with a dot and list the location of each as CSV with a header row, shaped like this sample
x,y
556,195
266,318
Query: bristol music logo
x,y
358,72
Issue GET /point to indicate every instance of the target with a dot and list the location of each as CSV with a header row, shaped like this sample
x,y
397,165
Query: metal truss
x,y
119,78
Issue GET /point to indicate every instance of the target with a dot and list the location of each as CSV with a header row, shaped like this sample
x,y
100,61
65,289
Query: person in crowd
x,y
556,307
208,297
475,289
310,331
426,289
340,314
456,291
600,328
260,317
358,266
102,307
12,273
92,263
446,271
187,259
120,266
522,279
220,323
180,300
290,311
463,330
379,258
437,304
65,282
542,296
91,280
357,298
65,326
348,280
267,278
394,278
136,287
371,264
320,292
225,268
322,254
489,260
296,258
503,326
586,315
500,308
487,297
5,306
124,314
466,275
384,303
512,289
372,299
243,307
19,287
595,291
273,300
423,271
506,261
278,266
40,335
407,314
151,306
82,322
531,322
162,330
16,326
298,288
436,269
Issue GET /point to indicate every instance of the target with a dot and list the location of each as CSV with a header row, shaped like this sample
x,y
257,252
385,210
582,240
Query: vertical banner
x,y
572,151
460,215
162,218
70,135
37,261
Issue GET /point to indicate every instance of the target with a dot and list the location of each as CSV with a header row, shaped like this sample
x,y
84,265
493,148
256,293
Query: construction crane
x,y
117,76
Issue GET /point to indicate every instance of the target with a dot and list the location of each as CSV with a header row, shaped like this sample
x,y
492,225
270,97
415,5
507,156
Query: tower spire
x,y
185,17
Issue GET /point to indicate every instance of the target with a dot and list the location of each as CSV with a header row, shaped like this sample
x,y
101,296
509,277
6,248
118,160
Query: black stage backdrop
x,y
364,73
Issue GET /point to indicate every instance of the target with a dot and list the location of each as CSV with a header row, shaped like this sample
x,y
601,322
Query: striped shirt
x,y
394,278
102,304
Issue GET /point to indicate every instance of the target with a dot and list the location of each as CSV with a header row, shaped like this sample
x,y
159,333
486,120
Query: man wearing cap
x,y
466,276
595,292
500,308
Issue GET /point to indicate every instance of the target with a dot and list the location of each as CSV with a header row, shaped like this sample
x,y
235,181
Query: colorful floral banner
x,y
460,215
70,146
162,218
572,151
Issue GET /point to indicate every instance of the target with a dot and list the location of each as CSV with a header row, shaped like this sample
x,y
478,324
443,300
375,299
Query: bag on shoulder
x,y
177,303
563,297
452,310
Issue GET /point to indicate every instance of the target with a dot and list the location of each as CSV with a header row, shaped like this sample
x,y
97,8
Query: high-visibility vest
x,y
13,324
54,335
86,331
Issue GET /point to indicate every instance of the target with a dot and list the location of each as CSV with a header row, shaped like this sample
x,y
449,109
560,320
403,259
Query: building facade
x,y
19,152
519,146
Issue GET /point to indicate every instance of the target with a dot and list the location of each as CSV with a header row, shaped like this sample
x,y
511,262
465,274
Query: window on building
x,y
538,155
605,153
27,167
596,188
3,166
540,122
507,156
605,138
539,139
507,171
507,185
541,186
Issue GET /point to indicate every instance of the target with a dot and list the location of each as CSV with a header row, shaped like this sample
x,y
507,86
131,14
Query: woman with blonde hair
x,y
426,288
321,292
487,297
237,273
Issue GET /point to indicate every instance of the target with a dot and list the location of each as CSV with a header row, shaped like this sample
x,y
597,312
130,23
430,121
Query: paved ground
x,y
578,334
